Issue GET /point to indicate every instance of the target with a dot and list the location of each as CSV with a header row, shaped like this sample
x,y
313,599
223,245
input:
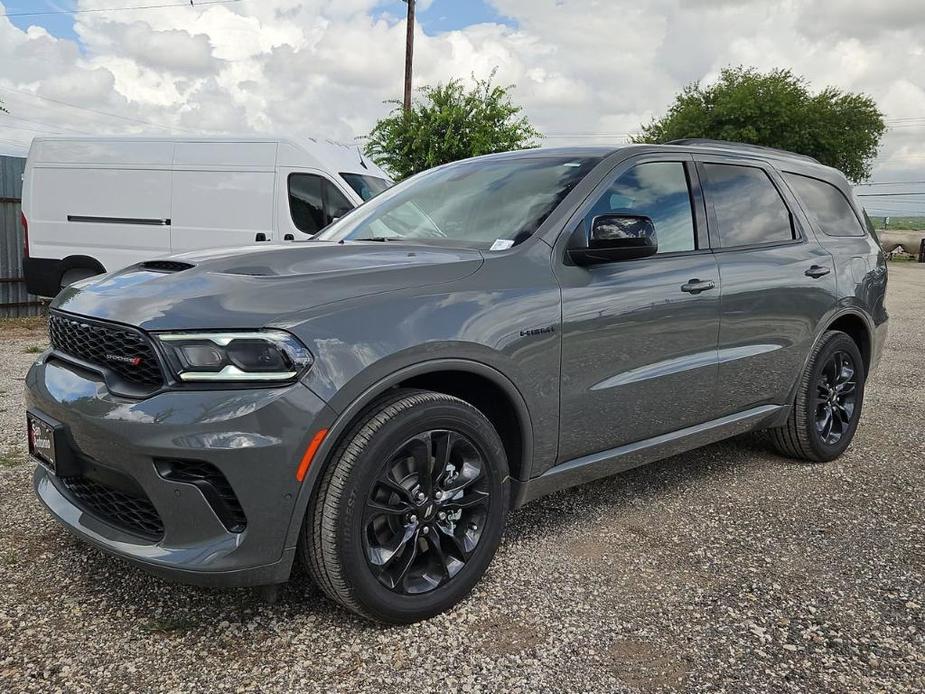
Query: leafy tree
x,y
449,122
777,109
2,110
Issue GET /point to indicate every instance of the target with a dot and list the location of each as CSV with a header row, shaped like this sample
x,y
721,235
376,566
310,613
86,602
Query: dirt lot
x,y
726,569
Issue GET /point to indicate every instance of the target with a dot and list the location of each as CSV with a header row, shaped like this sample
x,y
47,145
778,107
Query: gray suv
x,y
373,402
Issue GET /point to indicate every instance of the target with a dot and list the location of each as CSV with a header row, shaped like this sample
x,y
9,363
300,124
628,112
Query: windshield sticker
x,y
501,245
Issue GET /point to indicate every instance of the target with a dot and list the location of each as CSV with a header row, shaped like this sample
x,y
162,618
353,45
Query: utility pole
x,y
409,55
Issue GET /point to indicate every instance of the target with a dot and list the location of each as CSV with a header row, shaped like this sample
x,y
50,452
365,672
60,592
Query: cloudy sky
x,y
587,71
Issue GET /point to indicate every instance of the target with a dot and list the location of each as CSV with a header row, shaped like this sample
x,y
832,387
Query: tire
x,y
383,561
805,435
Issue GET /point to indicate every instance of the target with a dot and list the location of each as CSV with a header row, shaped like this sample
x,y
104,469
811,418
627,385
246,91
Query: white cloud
x,y
587,71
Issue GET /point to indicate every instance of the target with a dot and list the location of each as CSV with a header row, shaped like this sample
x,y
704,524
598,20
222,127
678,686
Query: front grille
x,y
123,350
213,485
132,512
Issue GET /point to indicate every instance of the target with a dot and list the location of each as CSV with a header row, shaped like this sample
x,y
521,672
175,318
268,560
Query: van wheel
x,y
75,275
411,509
828,403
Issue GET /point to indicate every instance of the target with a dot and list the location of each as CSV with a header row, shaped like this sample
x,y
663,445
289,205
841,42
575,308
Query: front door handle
x,y
817,271
696,286
260,237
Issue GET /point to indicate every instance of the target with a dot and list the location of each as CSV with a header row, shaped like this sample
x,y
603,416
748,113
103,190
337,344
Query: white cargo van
x,y
93,205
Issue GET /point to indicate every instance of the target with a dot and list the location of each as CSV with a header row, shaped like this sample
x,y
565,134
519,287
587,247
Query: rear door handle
x,y
696,286
817,271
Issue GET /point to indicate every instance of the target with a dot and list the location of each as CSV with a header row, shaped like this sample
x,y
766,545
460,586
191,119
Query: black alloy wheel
x,y
836,397
426,511
827,402
410,509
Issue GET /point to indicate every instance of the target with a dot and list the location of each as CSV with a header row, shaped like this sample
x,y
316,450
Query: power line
x,y
51,126
99,113
43,13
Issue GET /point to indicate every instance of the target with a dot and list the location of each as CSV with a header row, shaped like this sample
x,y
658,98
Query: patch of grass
x,y
900,223
169,625
34,349
28,326
9,459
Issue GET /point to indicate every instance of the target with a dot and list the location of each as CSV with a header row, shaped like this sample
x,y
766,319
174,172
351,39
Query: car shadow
x,y
169,609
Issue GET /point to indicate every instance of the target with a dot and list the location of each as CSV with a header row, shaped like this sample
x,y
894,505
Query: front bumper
x,y
254,437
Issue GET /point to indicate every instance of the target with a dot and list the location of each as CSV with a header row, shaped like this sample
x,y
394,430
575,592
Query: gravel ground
x,y
725,569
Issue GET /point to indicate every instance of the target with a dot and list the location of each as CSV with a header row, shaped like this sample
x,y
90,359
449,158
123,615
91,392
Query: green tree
x,y
447,123
777,109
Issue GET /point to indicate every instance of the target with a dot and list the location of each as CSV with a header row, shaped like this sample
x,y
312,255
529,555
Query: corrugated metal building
x,y
14,301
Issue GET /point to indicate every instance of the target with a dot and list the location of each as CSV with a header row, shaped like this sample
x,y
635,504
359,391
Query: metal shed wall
x,y
14,301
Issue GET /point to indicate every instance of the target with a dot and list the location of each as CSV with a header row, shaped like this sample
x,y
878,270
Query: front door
x,y
639,336
308,203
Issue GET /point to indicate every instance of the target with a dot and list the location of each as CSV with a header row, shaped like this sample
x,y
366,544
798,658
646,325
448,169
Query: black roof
x,y
741,147
687,143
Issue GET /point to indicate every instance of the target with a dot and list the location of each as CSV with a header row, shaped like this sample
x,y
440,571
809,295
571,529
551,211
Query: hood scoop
x,y
166,266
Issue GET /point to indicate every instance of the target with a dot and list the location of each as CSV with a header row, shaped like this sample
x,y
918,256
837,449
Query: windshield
x,y
477,203
367,187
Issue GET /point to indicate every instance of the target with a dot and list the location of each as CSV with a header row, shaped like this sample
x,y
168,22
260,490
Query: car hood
x,y
248,288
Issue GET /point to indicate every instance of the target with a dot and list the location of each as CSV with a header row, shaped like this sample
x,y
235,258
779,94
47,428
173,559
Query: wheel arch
x,y
461,378
853,324
73,262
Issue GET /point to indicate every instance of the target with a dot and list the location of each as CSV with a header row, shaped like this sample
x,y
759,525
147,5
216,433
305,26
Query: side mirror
x,y
616,237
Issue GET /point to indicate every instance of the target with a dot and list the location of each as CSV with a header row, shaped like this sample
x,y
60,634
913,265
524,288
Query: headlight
x,y
259,355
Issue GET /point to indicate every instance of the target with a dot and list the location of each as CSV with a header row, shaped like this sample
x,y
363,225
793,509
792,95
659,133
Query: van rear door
x,y
222,194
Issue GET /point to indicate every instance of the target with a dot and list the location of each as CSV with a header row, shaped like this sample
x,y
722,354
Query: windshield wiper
x,y
379,239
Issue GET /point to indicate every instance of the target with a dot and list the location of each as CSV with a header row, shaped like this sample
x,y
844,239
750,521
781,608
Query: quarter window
x,y
826,206
314,202
749,209
660,191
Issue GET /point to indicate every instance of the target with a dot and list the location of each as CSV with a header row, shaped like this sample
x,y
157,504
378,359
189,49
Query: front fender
x,y
341,423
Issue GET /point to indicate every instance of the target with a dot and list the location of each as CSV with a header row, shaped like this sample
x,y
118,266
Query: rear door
x,y
778,282
638,346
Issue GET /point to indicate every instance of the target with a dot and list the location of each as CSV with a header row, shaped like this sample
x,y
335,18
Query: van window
x,y
657,190
315,202
826,206
335,204
367,187
749,209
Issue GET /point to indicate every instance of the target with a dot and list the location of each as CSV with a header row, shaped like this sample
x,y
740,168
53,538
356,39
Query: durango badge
x,y
133,361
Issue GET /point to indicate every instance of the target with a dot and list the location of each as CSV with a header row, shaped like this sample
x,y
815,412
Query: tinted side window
x,y
657,190
306,204
748,208
335,204
826,205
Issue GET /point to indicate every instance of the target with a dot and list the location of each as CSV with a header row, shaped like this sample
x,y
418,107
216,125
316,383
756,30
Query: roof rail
x,y
740,146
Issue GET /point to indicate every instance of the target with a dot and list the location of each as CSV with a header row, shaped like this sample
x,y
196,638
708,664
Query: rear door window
x,y
748,208
315,202
826,206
